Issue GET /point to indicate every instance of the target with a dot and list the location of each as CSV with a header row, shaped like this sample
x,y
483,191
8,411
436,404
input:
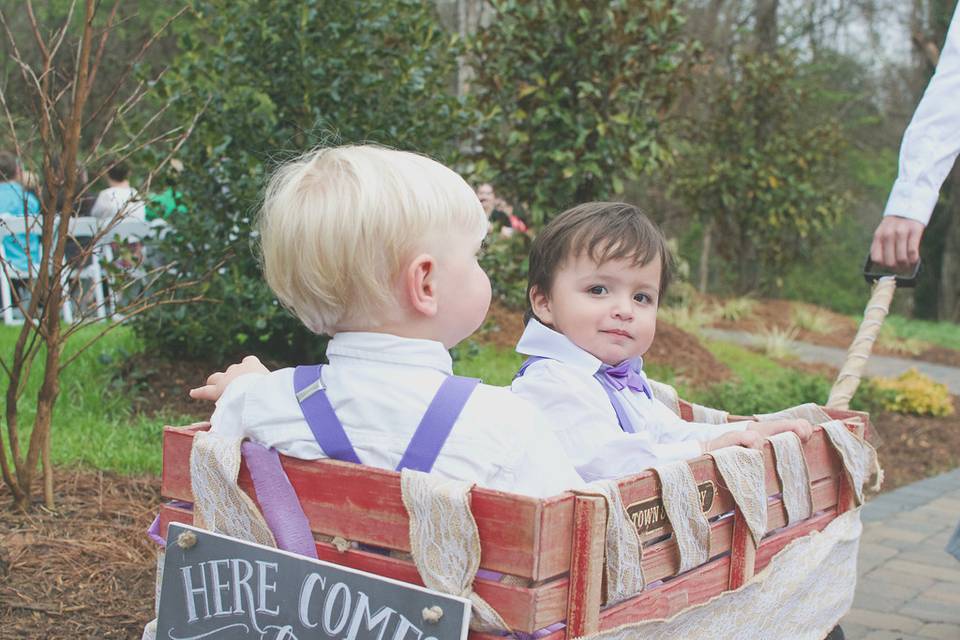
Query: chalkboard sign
x,y
217,587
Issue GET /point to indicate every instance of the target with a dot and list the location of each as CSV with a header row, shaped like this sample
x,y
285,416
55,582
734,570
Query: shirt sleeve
x,y
673,427
932,140
579,413
228,417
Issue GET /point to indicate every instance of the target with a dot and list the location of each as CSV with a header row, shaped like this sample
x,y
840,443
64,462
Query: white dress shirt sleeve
x,y
673,427
539,465
932,140
580,414
228,417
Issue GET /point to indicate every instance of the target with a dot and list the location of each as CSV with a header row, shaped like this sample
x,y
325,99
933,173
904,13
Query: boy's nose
x,y
623,310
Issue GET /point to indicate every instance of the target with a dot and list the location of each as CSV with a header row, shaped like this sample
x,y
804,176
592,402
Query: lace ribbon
x,y
219,505
794,476
681,501
859,457
742,471
623,552
444,541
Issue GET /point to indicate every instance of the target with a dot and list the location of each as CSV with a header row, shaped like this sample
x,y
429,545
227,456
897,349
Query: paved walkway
x,y
886,366
909,587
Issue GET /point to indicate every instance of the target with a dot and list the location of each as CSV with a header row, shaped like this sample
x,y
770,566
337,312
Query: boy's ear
x,y
419,285
540,305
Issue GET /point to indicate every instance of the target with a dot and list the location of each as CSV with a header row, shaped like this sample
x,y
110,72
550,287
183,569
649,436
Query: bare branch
x,y
122,78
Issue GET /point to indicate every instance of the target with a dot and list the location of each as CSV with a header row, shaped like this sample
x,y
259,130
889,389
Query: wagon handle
x,y
904,281
873,316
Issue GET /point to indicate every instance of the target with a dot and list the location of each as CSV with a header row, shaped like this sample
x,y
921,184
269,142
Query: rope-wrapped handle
x,y
849,377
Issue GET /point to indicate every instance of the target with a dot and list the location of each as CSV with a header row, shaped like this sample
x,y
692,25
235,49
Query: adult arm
x,y
927,153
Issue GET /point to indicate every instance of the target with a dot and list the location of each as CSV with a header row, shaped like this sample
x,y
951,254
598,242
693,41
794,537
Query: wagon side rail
x,y
548,543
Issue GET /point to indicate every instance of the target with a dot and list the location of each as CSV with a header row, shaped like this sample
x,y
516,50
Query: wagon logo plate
x,y
649,516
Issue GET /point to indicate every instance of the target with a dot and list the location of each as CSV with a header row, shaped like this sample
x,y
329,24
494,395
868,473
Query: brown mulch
x,y
680,351
159,386
767,314
912,448
85,571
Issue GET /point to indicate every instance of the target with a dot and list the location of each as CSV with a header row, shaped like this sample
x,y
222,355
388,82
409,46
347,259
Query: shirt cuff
x,y
911,201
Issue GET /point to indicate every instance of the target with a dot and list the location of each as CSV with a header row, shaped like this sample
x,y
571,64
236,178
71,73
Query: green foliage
x,y
493,365
915,393
779,343
693,317
764,174
735,309
274,79
764,395
830,272
945,334
810,319
93,419
570,96
506,262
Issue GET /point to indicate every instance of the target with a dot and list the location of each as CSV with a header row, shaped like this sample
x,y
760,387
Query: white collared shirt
x,y
580,412
932,140
380,386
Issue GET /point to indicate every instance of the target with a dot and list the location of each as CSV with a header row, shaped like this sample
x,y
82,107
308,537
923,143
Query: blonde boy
x,y
597,275
378,248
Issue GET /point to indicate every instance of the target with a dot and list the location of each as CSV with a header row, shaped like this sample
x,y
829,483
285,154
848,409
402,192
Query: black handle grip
x,y
871,276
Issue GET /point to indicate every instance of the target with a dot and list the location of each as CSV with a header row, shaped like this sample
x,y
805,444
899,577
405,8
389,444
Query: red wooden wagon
x,y
554,546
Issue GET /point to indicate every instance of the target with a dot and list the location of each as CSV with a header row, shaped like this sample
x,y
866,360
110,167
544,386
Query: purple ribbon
x,y
627,374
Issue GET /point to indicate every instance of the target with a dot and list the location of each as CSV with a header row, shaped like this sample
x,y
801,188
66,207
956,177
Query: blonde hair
x,y
338,225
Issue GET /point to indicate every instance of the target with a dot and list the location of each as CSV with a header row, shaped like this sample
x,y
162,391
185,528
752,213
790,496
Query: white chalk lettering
x,y
241,586
218,587
403,626
362,611
266,586
329,604
306,592
190,592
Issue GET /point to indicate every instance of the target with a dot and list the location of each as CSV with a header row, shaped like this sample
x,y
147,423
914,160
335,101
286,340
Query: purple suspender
x,y
427,440
317,411
622,416
278,502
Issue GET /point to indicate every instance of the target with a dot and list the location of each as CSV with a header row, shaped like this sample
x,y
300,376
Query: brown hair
x,y
602,230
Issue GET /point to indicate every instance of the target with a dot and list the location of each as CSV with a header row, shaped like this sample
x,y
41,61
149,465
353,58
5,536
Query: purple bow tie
x,y
626,374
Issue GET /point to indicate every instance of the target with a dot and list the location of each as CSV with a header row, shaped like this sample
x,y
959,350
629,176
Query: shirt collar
x,y
542,341
385,347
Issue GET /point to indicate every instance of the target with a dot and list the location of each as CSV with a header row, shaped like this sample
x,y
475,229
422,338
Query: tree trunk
x,y
704,279
766,28
948,289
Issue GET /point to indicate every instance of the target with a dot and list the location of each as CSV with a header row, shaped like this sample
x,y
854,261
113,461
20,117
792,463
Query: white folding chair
x,y
83,231
17,231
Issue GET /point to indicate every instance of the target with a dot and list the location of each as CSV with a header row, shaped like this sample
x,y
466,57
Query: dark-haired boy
x,y
597,275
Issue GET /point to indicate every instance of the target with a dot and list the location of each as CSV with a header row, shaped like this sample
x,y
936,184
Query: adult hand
x,y
896,242
218,381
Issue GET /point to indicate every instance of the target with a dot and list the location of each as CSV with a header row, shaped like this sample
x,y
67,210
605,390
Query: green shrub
x,y
506,262
737,308
915,393
274,79
764,395
812,320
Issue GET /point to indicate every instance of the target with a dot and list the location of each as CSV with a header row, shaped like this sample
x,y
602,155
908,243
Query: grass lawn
x,y
93,423
945,334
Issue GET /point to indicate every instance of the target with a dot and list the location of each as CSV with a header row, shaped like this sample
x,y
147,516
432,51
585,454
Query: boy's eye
x,y
597,290
643,298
